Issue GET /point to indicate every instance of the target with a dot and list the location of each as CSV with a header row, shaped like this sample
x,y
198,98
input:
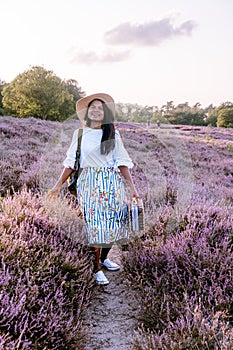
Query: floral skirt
x,y
103,201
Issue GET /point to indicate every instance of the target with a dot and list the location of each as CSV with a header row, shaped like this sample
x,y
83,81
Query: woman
x,y
100,188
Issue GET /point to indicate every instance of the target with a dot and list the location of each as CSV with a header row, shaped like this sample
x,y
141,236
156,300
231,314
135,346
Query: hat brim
x,y
82,104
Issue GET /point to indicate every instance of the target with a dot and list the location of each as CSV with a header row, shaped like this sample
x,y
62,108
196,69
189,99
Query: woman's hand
x,y
134,194
54,192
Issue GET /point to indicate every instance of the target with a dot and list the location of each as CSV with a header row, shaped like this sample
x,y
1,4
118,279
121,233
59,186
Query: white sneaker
x,y
109,265
101,278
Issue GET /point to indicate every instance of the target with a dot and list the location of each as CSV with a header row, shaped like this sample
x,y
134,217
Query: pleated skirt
x,y
103,201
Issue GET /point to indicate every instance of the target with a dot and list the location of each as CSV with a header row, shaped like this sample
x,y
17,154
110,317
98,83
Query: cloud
x,y
92,57
150,33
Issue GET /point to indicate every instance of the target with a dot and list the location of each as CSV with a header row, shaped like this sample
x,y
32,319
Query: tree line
x,y
221,116
39,93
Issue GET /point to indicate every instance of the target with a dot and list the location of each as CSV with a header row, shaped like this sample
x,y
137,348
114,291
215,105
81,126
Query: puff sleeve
x,y
121,156
71,153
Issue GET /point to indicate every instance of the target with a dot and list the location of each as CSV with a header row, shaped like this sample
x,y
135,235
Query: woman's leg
x,y
104,254
96,251
108,264
99,275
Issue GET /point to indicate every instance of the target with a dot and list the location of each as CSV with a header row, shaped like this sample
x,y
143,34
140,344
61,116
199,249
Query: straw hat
x,y
82,104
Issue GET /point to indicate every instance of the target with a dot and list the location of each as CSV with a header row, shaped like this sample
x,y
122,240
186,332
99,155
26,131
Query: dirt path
x,y
112,315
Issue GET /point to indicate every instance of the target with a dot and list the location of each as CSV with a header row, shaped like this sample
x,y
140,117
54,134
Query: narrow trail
x,y
112,315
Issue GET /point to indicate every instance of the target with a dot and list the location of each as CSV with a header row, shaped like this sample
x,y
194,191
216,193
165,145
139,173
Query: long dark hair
x,y
108,138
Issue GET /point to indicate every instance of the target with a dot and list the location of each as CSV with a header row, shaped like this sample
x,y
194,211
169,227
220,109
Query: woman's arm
x,y
126,174
62,179
69,163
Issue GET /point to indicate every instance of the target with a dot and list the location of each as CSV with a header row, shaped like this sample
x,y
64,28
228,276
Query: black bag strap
x,y
78,151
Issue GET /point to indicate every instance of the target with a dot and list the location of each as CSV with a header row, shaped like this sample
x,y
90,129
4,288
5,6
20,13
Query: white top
x,y
90,151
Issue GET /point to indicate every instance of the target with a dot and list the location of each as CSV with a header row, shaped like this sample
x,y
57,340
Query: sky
x,y
144,52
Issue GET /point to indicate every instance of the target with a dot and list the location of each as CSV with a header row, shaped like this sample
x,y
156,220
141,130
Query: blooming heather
x,y
181,267
46,279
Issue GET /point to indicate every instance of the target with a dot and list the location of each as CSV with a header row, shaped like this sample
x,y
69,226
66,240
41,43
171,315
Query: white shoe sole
x,y
110,268
102,282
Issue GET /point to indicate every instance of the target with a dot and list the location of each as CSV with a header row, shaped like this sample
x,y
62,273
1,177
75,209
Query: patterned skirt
x,y
103,201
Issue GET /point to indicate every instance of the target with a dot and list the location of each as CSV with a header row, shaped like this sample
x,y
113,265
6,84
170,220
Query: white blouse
x,y
90,151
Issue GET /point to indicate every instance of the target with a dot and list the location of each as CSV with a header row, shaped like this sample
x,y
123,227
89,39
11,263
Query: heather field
x,y
181,268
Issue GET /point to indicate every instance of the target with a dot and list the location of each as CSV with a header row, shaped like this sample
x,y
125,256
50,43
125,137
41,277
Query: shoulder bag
x,y
72,180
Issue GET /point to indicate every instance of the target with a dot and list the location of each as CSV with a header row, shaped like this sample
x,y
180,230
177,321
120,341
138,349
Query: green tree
x,y
2,84
73,88
185,115
167,109
37,93
212,117
225,117
69,106
121,112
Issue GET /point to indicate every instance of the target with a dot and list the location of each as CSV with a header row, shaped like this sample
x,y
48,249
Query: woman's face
x,y
96,111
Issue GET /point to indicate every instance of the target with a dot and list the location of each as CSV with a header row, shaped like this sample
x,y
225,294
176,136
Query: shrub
x,y
22,145
46,279
190,331
185,274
